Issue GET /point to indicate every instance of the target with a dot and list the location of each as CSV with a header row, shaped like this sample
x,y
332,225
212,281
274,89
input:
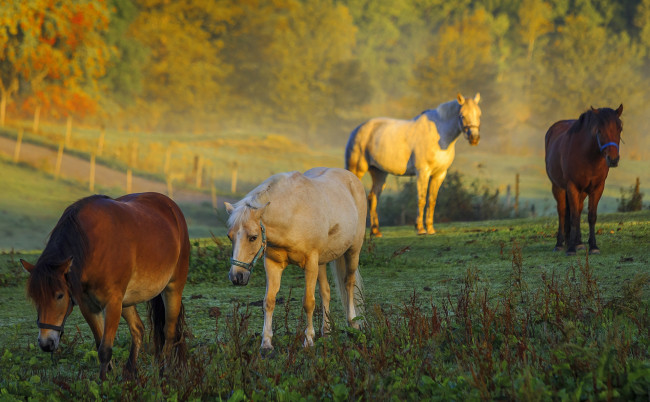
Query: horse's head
x,y
469,117
248,236
48,288
607,130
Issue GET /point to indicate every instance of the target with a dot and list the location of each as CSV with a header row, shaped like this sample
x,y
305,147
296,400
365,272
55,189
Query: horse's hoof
x,y
580,247
267,353
421,232
376,234
432,231
571,253
595,250
558,248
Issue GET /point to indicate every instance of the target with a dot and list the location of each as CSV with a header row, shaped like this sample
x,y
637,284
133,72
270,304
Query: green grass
x,y
480,310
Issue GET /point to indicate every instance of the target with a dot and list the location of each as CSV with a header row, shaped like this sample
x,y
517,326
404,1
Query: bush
x,y
456,202
635,200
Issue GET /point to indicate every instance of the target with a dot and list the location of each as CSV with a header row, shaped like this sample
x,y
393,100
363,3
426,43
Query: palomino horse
x,y
106,256
579,154
308,220
423,147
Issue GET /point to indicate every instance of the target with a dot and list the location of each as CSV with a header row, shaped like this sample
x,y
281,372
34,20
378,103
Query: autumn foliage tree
x,y
53,53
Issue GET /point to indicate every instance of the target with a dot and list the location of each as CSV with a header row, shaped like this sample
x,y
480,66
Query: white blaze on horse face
x,y
246,242
470,118
48,339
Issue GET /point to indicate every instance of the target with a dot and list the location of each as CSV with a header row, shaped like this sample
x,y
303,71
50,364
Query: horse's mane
x,y
590,118
255,199
67,240
445,110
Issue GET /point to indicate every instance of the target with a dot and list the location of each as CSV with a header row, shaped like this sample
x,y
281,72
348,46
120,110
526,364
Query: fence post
x,y
233,184
199,171
170,190
516,194
59,159
19,141
91,185
213,188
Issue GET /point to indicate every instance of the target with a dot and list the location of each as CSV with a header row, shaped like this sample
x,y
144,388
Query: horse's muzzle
x,y
473,136
612,162
47,344
239,277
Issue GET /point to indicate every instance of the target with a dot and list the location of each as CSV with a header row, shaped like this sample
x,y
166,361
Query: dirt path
x,y
79,169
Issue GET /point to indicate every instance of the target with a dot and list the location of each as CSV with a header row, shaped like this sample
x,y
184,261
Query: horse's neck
x,y
447,124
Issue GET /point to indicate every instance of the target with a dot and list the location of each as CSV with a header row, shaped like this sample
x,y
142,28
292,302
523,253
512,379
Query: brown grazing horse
x,y
106,256
579,154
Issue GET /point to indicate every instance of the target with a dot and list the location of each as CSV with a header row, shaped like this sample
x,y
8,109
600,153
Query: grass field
x,y
32,202
477,311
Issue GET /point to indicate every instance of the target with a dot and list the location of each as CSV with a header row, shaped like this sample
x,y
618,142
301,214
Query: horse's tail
x,y
339,270
349,147
157,325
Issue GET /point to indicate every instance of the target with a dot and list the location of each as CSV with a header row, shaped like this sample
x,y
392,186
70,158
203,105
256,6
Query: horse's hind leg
x,y
378,184
312,271
136,328
352,264
324,288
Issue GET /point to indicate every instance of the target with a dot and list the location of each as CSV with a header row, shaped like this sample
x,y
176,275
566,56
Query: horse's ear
x,y
263,208
27,266
619,111
477,98
229,207
65,267
460,99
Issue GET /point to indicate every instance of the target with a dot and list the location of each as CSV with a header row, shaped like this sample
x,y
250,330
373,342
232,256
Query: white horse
x,y
423,147
308,220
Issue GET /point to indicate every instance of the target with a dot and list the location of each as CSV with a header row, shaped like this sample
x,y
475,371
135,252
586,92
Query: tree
x,y
53,51
458,59
586,65
185,74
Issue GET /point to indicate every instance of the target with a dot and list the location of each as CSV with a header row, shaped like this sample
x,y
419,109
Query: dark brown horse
x,y
106,256
579,154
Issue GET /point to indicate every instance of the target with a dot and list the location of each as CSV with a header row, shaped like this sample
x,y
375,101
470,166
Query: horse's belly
x,y
140,291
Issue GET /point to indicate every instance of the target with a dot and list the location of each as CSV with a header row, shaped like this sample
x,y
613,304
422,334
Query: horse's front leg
x,y
560,200
136,327
308,300
273,278
594,198
573,198
112,313
325,295
434,187
422,182
378,184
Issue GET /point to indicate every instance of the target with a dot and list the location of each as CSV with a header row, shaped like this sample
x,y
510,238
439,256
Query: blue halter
x,y
603,146
249,266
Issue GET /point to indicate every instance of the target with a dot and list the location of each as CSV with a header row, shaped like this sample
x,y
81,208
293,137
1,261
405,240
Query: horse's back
x,y
141,239
386,144
330,213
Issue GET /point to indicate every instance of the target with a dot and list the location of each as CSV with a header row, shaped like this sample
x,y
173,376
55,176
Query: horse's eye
x,y
252,238
59,296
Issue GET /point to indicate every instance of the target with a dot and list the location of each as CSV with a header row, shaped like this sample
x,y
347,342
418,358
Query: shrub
x,y
631,199
456,202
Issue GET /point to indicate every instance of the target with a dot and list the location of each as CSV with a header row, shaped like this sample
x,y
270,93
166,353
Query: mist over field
x,y
217,96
